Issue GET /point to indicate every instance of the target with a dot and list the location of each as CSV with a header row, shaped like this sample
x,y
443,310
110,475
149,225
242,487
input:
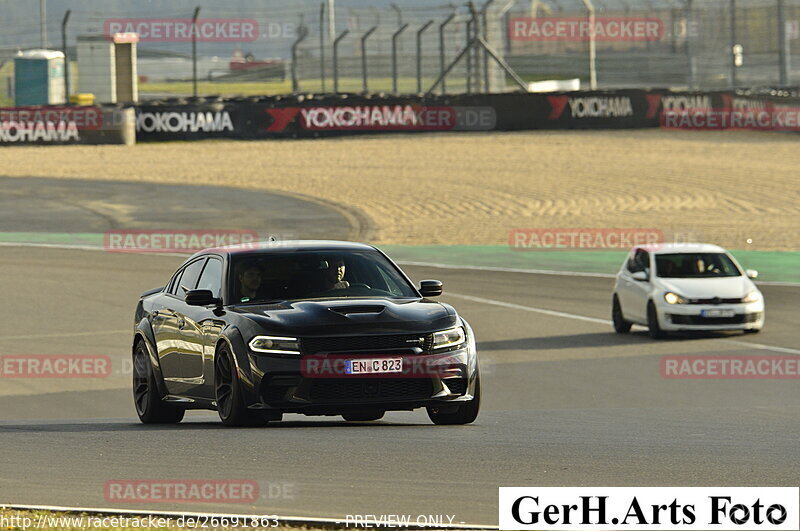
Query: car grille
x,y
316,345
702,321
715,300
457,386
370,388
276,387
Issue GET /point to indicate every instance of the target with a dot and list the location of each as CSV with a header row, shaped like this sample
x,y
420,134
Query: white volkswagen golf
x,y
679,287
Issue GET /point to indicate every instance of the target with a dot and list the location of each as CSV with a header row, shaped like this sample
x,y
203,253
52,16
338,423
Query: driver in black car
x,y
250,277
333,276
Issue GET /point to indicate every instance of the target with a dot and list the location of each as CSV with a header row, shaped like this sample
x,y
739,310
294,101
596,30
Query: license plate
x,y
374,366
717,313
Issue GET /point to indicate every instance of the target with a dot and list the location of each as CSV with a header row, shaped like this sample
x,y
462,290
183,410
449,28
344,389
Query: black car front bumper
x,y
283,384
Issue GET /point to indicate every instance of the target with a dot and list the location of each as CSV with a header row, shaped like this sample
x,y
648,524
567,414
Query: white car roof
x,y
673,248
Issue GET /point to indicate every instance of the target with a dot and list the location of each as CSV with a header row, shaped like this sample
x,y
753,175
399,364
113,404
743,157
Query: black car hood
x,y
336,317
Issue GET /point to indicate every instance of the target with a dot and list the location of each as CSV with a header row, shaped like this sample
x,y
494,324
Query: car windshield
x,y
275,276
695,265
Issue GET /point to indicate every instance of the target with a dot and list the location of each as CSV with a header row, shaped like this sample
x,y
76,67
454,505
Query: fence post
x,y
783,45
43,23
302,34
419,54
66,55
336,60
322,45
194,50
331,18
399,12
365,77
474,54
689,44
395,36
442,57
469,56
485,20
733,43
592,45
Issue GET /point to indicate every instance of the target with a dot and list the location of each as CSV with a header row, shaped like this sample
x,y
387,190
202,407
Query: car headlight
x,y
449,338
275,345
674,298
753,296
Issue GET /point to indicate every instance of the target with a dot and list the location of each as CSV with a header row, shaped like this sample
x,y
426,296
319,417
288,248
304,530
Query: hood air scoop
x,y
347,311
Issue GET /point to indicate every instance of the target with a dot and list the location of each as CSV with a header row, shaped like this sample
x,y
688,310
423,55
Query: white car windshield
x,y
695,265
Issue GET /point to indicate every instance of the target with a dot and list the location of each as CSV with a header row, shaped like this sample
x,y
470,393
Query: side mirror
x,y
752,274
430,288
201,297
640,276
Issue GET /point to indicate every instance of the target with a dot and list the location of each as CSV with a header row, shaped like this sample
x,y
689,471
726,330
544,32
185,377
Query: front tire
x,y
150,406
652,322
621,326
228,393
461,414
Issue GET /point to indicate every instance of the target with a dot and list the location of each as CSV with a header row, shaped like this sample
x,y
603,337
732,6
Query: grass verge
x,y
773,266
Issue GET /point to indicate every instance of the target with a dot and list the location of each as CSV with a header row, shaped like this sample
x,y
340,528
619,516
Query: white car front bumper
x,y
674,317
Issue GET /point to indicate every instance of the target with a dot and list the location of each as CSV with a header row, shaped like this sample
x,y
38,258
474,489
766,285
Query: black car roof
x,y
285,246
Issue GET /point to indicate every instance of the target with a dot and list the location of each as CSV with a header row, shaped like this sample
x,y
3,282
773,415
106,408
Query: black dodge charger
x,y
319,328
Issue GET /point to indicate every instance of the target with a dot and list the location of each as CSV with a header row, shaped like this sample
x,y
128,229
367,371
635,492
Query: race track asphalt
x,y
567,402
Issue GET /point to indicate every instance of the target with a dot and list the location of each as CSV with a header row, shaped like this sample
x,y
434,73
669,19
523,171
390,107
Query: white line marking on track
x,y
87,248
605,322
551,272
543,311
760,346
507,270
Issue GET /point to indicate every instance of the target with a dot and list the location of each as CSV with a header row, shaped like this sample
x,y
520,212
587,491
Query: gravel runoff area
x,y
738,189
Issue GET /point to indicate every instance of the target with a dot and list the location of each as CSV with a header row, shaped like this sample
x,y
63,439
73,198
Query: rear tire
x,y
228,393
364,416
621,326
147,399
464,413
652,322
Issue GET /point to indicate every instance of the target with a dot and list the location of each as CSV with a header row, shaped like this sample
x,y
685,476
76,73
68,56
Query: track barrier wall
x,y
54,125
309,116
319,116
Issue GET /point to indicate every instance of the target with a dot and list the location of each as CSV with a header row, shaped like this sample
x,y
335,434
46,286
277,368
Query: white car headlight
x,y
449,338
275,345
674,298
753,296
